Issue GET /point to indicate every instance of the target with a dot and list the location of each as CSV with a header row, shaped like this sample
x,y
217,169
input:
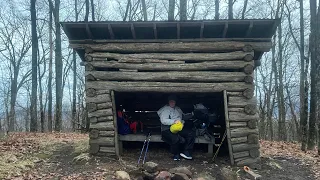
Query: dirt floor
x,y
64,156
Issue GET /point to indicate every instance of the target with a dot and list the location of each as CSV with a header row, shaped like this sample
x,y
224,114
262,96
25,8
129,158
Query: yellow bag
x,y
175,128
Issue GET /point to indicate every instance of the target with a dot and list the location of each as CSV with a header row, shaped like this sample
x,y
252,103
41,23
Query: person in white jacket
x,y
183,140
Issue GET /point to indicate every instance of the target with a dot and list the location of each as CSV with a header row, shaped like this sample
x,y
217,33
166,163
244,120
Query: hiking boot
x,y
176,157
186,155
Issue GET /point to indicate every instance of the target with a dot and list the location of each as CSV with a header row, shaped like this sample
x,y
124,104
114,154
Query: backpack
x,y
123,123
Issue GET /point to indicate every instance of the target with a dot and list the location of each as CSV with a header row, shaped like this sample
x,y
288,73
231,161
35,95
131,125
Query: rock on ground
x,y
150,167
163,175
180,176
183,170
122,175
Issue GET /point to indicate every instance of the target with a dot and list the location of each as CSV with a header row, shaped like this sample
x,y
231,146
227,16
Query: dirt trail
x,y
64,156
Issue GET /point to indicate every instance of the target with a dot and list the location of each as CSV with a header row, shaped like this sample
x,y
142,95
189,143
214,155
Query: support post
x,y
114,110
225,99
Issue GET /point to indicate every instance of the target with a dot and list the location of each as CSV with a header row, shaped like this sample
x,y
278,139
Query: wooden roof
x,y
259,29
170,31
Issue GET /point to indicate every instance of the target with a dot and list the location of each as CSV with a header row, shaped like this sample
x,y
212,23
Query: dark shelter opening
x,y
141,109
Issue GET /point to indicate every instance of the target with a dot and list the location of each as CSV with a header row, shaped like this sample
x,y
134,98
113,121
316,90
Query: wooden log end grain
x,y
250,109
89,58
89,67
248,57
88,50
248,93
90,77
94,133
254,153
253,139
247,48
90,92
94,148
248,69
248,79
252,124
249,162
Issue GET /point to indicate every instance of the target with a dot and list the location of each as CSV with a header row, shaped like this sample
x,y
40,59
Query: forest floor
x,y
64,156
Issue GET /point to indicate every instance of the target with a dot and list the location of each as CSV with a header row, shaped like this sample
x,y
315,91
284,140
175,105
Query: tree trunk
x,y
230,9
127,10
282,112
171,10
92,10
216,6
318,73
50,71
34,119
40,95
58,68
74,95
303,106
86,17
244,8
183,10
313,83
144,10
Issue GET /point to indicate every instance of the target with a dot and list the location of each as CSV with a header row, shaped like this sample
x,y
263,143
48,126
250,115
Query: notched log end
x,y
248,57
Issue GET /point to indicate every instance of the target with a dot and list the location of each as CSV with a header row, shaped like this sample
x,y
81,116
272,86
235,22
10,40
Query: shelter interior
x,y
143,106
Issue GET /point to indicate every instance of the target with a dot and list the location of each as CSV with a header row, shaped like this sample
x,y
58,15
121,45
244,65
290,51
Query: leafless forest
x,y
42,82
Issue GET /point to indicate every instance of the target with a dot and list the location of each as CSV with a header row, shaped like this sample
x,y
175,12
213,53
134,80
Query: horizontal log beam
x,y
108,150
166,86
100,113
103,98
237,116
91,107
223,46
238,124
169,76
158,57
236,110
241,154
239,102
95,133
244,147
102,141
103,126
101,119
241,132
216,65
239,140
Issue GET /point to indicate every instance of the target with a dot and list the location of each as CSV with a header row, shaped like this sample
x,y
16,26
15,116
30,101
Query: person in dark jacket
x,y
183,140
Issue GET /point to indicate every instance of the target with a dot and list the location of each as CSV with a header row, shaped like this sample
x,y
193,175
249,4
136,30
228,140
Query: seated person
x,y
169,115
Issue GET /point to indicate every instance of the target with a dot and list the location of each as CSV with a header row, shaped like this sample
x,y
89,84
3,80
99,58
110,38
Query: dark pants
x,y
184,139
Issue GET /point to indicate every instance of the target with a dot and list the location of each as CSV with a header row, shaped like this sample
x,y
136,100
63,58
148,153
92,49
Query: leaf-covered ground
x,y
64,156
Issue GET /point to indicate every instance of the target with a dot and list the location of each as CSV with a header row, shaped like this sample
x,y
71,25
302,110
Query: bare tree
x,y
171,10
86,18
216,6
58,68
92,10
230,9
51,10
15,38
183,10
245,4
313,84
34,119
144,10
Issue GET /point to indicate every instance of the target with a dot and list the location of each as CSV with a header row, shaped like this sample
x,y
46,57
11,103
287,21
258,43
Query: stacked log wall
x,y
174,67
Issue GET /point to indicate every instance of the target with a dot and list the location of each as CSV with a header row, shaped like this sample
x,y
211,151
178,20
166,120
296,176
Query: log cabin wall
x,y
180,68
192,56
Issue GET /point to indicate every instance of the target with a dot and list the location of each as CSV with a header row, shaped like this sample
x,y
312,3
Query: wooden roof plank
x,y
133,32
225,30
248,33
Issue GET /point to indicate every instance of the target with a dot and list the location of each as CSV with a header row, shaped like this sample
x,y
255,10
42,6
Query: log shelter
x,y
137,64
